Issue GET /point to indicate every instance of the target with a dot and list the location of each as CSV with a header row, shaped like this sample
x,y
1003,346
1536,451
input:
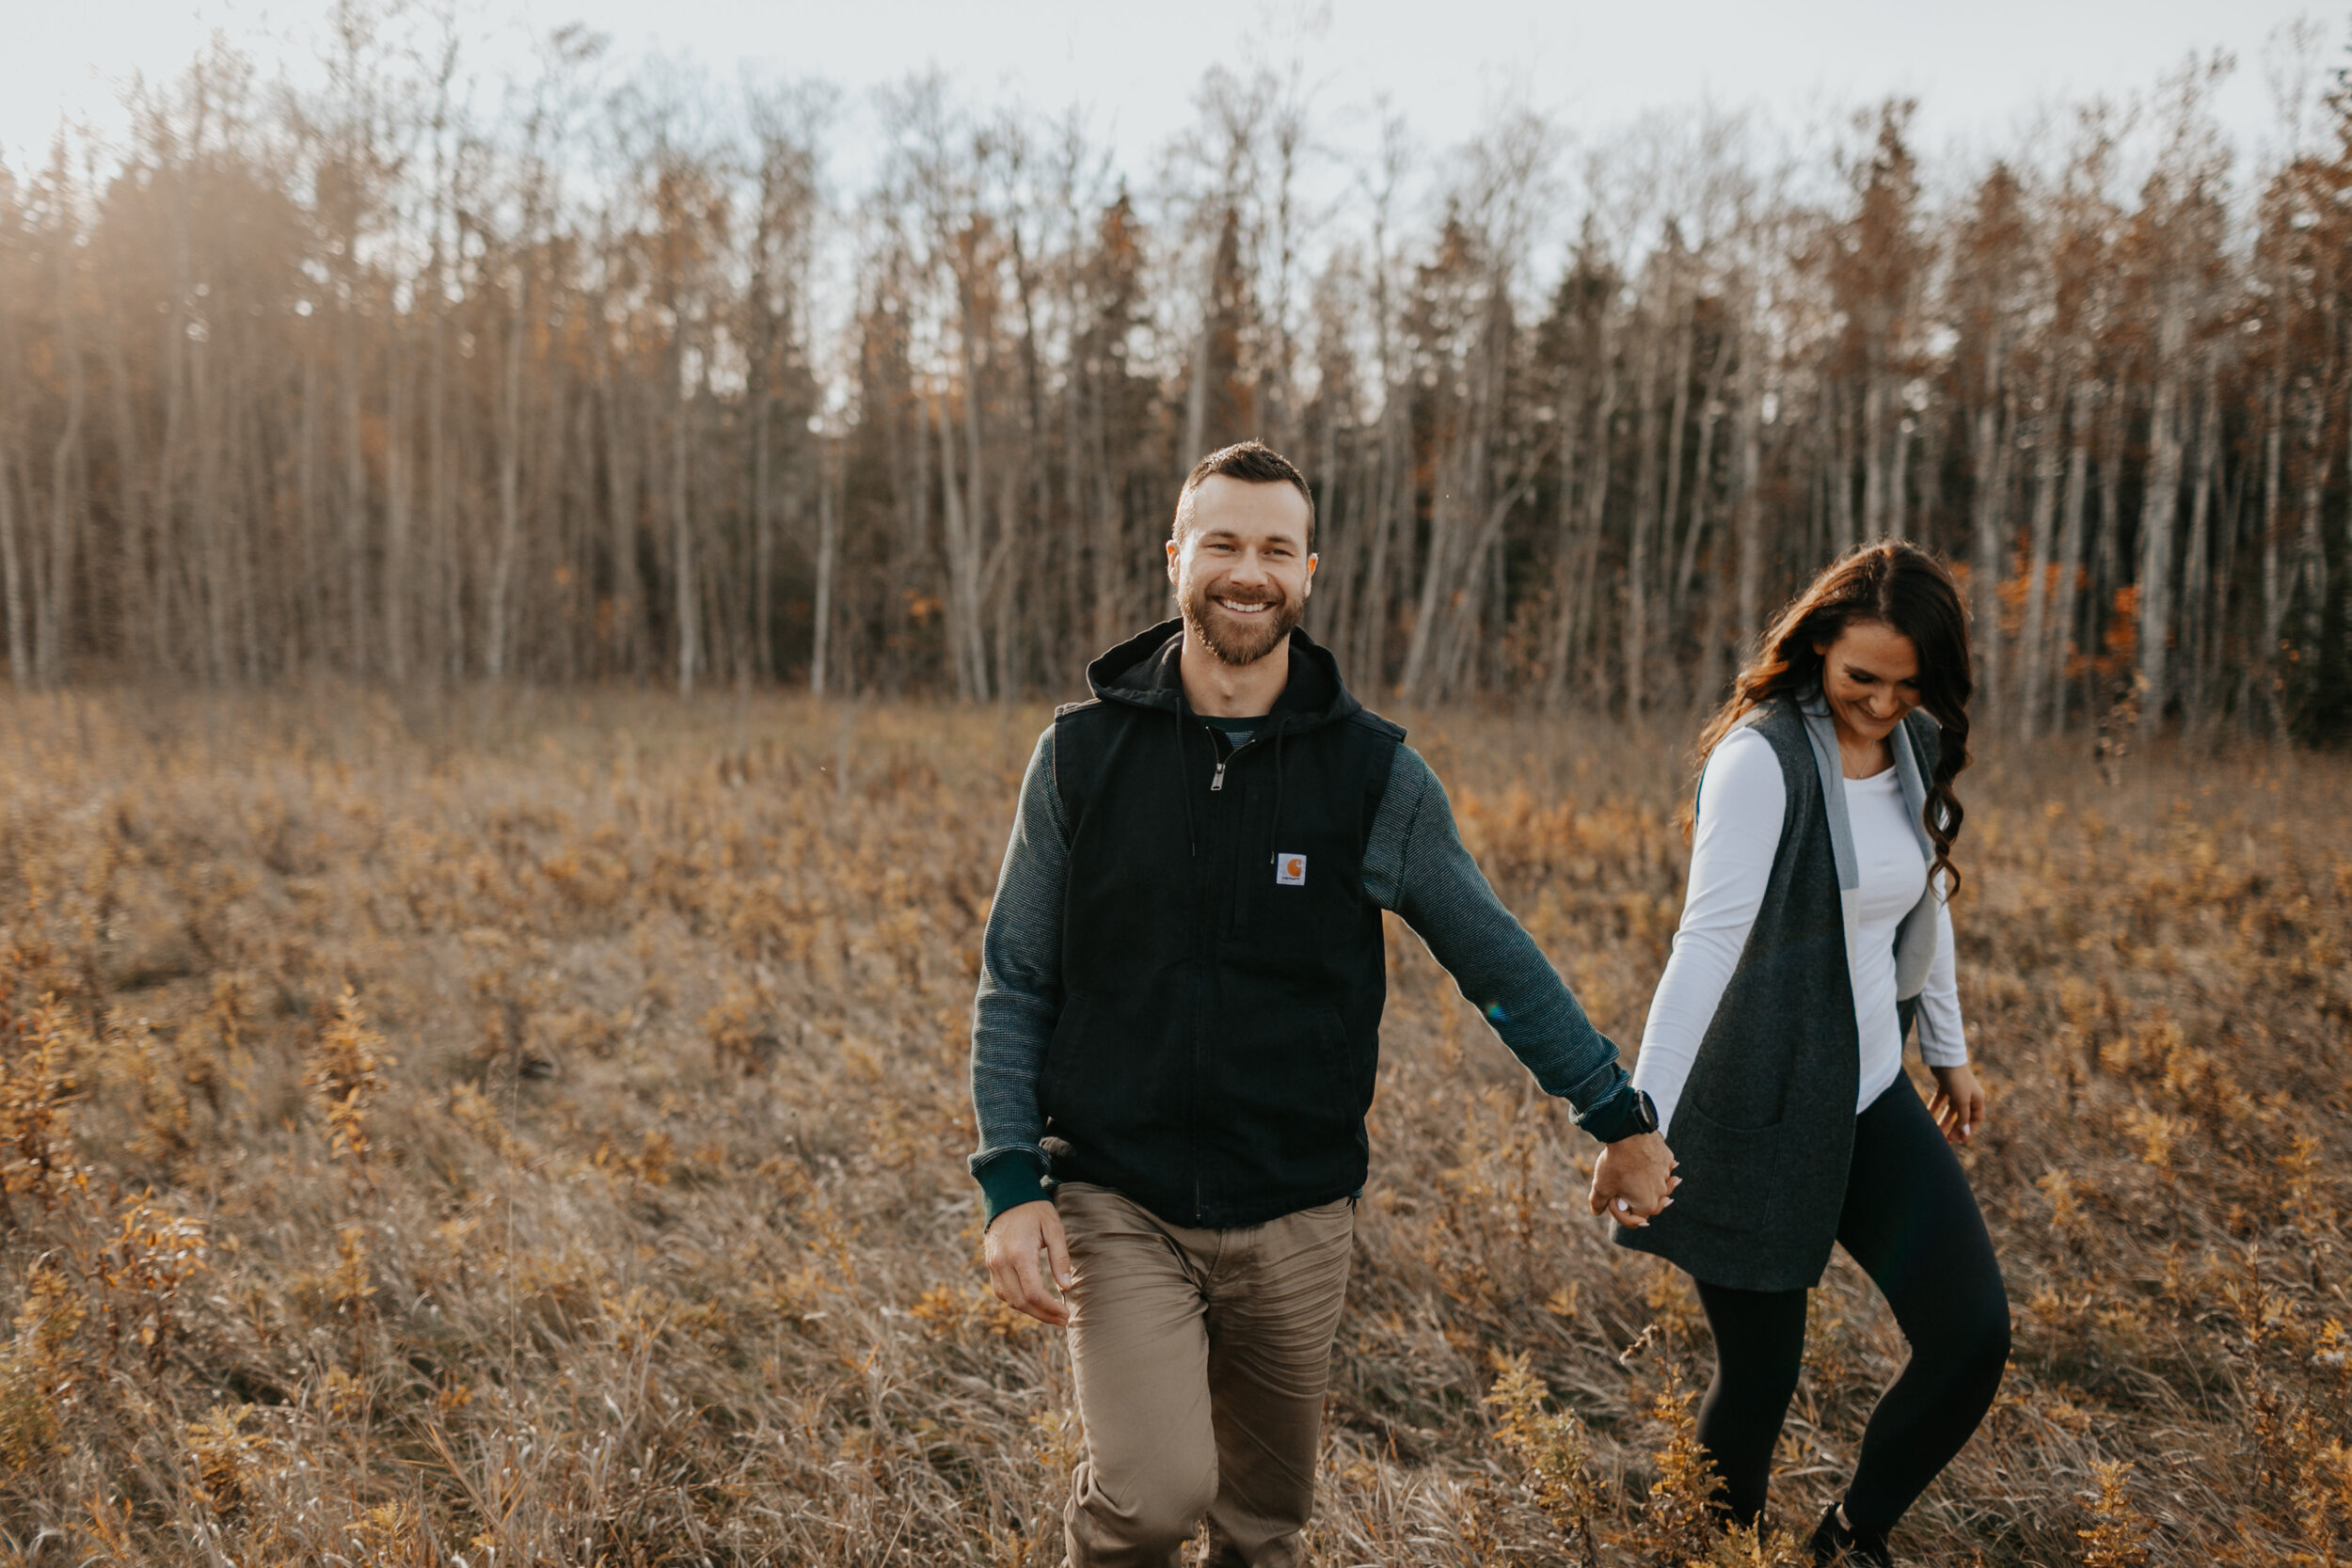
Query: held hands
x,y
1959,1103
1634,1179
1011,1248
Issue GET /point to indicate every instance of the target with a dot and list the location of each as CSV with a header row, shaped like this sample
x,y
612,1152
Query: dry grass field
x,y
531,1131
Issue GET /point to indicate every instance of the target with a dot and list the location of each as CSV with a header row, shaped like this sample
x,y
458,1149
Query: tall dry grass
x,y
530,1131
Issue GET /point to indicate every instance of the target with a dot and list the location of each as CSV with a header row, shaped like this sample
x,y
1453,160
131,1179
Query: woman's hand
x,y
1634,1179
1959,1103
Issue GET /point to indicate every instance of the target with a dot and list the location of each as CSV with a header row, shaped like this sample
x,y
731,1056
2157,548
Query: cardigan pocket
x,y
1731,1174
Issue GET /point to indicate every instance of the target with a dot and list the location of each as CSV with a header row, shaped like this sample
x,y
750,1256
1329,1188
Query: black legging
x,y
1913,1224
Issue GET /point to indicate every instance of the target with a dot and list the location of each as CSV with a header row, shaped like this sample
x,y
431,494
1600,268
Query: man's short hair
x,y
1252,463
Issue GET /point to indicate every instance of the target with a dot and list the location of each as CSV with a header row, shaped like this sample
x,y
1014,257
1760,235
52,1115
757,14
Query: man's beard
x,y
1235,640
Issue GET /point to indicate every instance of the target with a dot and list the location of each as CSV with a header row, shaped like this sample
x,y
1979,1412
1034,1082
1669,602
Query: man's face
x,y
1240,565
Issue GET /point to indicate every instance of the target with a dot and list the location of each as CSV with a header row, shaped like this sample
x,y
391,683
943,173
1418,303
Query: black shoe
x,y
1833,1543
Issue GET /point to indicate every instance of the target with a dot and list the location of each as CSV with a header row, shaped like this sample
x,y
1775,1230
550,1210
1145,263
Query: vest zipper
x,y
1231,918
1216,785
1216,779
1205,939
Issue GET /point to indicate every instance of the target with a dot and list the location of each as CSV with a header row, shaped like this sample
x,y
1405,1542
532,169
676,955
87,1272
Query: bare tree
x,y
607,384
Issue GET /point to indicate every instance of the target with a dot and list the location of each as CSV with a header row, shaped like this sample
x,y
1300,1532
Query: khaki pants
x,y
1201,1359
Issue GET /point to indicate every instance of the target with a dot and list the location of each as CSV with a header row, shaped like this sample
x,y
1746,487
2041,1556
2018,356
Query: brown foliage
x,y
664,1249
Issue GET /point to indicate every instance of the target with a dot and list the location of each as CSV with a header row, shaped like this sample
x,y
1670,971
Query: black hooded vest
x,y
1223,969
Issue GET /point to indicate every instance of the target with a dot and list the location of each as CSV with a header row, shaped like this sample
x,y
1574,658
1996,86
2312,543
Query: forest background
x,y
607,376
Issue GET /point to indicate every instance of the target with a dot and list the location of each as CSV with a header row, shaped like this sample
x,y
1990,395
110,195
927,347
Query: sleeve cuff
x,y
1610,1119
1012,1178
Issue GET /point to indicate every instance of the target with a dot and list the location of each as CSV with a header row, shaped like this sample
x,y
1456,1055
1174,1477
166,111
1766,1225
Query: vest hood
x,y
1142,672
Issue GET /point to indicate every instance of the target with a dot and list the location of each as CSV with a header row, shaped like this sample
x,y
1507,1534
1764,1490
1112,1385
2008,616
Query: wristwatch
x,y
1641,1119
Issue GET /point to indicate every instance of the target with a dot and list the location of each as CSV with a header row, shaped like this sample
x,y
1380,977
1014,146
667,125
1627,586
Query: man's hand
x,y
1634,1179
1013,1244
1959,1103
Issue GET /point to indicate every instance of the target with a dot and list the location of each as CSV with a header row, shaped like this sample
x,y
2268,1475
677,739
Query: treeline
x,y
613,380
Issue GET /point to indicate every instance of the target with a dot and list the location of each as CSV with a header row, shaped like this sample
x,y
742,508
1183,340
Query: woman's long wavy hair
x,y
1900,586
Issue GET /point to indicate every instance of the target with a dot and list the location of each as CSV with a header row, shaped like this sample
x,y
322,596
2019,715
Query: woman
x,y
1814,936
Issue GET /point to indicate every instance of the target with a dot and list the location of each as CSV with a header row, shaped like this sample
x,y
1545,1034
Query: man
x,y
1177,1031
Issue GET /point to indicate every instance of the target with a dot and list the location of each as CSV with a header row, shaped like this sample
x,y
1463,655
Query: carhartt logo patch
x,y
1290,870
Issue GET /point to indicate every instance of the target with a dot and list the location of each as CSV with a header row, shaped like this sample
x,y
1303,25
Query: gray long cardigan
x,y
1764,1129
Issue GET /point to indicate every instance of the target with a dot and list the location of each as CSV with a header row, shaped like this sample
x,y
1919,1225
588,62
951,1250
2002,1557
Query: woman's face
x,y
1870,675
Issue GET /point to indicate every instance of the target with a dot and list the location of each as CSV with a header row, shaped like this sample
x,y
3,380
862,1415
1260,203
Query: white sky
x,y
1980,68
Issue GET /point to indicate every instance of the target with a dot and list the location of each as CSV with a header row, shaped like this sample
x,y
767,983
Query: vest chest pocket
x,y
1291,896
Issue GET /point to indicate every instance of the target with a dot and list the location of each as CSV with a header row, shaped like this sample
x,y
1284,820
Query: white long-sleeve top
x,y
1741,801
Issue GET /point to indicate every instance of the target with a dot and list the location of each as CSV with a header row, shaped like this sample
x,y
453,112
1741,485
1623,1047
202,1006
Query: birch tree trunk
x,y
1874,450
1109,562
12,577
54,645
828,544
975,490
1006,607
214,573
2231,501
1204,353
1567,547
2067,590
762,400
1586,633
1991,483
510,439
1677,426
175,579
2196,562
1636,629
685,560
2107,557
1437,577
1841,517
964,570
1899,483
2275,589
354,490
2033,654
394,581
2310,558
1749,521
2159,512
440,526
1390,512
144,641
1702,475
621,501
